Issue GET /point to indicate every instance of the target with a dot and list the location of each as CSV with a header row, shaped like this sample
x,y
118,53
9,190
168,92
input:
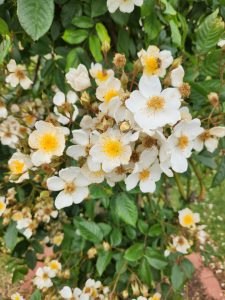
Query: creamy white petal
x,y
147,186
76,151
211,144
66,292
26,83
63,200
80,137
80,194
150,86
131,181
59,98
177,76
55,183
218,131
135,102
69,174
178,162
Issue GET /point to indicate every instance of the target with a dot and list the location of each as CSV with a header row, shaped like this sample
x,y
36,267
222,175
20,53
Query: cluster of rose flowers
x,y
112,126
125,131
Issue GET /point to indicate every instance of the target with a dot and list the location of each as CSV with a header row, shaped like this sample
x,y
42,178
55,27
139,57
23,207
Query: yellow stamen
x,y
70,187
20,74
152,64
188,220
156,103
54,265
102,76
48,143
16,167
183,142
112,148
110,94
2,205
144,175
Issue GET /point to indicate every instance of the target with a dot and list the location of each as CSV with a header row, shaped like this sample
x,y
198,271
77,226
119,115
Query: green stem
x,y
199,177
179,185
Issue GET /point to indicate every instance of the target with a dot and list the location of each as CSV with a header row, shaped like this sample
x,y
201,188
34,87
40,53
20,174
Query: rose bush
x,y
109,110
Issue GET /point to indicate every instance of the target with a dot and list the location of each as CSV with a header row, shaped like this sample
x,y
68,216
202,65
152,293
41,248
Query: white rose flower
x,y
72,184
17,76
154,61
19,164
187,218
181,143
112,149
181,244
25,225
99,74
152,107
66,103
147,171
78,78
209,138
125,6
17,296
43,278
156,296
48,140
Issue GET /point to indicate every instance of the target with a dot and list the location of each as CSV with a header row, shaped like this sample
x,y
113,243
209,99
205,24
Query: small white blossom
x,y
78,78
17,76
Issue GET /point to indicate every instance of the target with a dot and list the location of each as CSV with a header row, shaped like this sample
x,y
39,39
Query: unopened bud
x,y
124,80
177,62
66,274
214,99
105,47
85,98
91,253
138,66
185,90
144,290
119,60
106,246
125,126
125,294
135,288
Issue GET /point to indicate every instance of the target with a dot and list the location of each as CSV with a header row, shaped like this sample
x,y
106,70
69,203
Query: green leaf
x,y
103,260
155,230
19,273
11,236
36,295
120,18
83,22
98,8
73,58
209,32
143,226
155,259
4,29
95,47
123,42
169,8
31,259
220,174
35,16
4,48
102,33
75,36
177,277
187,268
90,231
135,252
144,272
207,161
176,36
115,237
126,209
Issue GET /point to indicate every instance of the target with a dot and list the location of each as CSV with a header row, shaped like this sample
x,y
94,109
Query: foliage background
x,y
68,32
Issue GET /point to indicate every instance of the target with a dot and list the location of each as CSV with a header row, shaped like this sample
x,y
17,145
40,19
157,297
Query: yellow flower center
x,y
156,103
155,298
98,173
20,74
110,94
70,187
183,142
205,135
17,297
181,241
112,148
54,265
48,143
102,75
188,220
16,167
152,65
2,206
45,276
144,175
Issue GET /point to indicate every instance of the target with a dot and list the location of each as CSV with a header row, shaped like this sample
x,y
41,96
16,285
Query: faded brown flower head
x,y
119,60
